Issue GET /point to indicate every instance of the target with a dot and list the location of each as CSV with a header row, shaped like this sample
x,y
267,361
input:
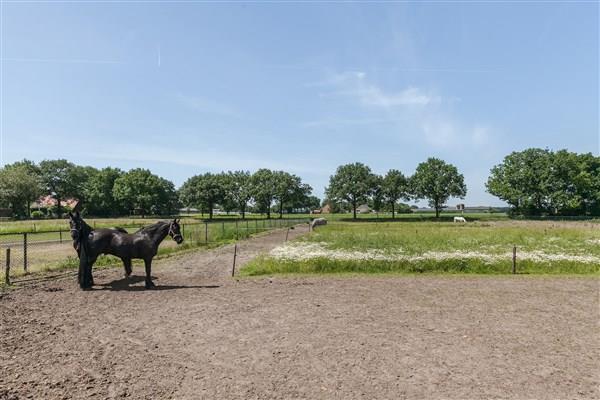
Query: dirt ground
x,y
202,334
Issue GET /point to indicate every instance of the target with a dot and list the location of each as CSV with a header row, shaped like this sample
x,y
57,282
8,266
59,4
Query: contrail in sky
x,y
60,60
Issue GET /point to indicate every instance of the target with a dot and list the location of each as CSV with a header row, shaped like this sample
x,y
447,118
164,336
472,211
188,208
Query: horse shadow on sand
x,y
129,284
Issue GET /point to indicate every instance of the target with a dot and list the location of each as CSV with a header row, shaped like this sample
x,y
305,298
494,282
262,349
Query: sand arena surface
x,y
205,335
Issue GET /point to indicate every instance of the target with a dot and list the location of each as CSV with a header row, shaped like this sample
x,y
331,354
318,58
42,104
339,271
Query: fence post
x,y
7,270
234,257
25,252
60,234
183,230
206,232
236,230
514,260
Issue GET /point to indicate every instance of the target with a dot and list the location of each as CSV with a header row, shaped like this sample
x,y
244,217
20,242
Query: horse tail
x,y
85,269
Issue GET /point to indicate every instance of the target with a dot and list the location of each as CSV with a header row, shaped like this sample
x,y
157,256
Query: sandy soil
x,y
202,334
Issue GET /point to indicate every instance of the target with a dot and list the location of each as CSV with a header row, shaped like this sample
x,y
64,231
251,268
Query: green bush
x,y
37,214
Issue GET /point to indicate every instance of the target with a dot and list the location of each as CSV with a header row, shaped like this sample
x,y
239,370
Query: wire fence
x,y
30,252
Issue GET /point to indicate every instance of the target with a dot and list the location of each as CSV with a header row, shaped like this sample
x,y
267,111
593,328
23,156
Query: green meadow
x,y
484,247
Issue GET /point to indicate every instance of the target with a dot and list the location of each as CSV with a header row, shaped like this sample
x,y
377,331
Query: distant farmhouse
x,y
45,202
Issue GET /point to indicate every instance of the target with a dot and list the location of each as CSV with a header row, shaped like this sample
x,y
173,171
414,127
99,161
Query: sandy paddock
x,y
205,335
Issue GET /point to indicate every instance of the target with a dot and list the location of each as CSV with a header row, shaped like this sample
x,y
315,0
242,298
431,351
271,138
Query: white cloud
x,y
354,84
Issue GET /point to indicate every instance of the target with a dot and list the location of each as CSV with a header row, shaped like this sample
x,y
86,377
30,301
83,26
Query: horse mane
x,y
151,229
122,230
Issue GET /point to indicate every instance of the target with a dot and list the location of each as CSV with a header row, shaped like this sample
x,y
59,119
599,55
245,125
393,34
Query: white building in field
x,y
363,209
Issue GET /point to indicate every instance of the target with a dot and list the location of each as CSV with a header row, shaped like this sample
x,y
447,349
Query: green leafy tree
x,y
522,180
238,190
311,203
99,195
264,188
62,179
353,183
290,192
20,185
539,181
203,191
395,187
140,189
437,181
377,195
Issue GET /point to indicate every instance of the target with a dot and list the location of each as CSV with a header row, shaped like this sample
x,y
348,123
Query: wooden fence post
x,y
25,252
7,270
234,257
287,233
514,260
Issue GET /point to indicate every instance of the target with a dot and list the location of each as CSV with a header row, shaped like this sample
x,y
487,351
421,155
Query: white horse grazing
x,y
460,219
318,222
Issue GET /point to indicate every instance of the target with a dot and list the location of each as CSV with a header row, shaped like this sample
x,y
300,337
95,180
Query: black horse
x,y
143,244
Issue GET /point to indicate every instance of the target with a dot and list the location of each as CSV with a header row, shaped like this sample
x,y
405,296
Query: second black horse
x,y
143,244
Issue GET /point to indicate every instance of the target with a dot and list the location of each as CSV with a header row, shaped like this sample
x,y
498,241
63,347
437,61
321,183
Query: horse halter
x,y
172,232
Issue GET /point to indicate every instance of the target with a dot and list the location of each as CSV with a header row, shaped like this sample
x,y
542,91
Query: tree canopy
x,y
353,183
542,182
20,185
437,181
395,187
139,190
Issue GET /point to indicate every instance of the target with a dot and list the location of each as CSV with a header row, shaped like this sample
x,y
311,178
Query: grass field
x,y
47,225
475,247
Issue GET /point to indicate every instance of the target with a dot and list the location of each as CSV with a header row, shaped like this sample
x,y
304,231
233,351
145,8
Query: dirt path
x,y
205,335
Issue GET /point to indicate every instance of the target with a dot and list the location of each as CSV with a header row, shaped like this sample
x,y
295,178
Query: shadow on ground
x,y
129,284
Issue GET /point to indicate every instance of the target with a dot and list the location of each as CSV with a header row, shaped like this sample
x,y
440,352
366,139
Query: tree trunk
x,y
281,210
437,212
354,208
210,211
243,211
58,207
393,210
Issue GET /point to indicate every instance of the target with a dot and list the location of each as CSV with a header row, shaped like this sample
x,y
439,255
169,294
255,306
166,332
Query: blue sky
x,y
187,88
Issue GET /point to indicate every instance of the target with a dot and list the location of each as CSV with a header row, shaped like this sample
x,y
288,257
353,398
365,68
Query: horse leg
x,y
80,273
149,283
127,265
91,276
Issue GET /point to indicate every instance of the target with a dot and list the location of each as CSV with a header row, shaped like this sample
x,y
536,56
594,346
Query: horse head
x,y
174,231
76,225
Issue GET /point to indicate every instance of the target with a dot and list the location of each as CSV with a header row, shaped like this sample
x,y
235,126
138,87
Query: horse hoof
x,y
150,285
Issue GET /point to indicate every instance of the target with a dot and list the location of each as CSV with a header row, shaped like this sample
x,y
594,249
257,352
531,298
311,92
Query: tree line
x,y
114,192
434,180
543,182
533,182
264,191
